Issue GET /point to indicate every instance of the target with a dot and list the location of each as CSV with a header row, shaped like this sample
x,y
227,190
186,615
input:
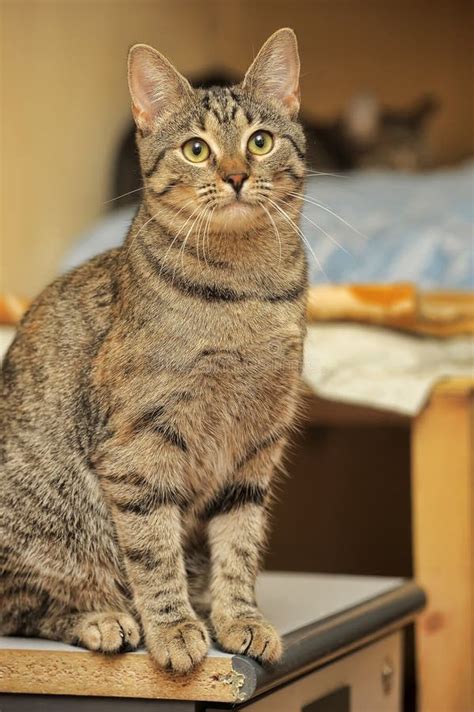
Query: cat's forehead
x,y
228,112
220,103
220,114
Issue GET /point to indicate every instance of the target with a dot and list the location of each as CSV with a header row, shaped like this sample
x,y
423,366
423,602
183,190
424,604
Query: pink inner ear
x,y
275,71
292,101
155,85
281,82
143,85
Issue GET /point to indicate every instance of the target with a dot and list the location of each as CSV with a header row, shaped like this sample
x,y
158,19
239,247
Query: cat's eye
x,y
260,143
196,150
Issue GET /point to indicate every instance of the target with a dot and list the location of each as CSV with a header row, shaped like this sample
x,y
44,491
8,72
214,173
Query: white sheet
x,y
372,366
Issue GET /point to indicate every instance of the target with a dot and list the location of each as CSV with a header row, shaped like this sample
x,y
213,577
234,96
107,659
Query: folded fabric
x,y
375,367
400,306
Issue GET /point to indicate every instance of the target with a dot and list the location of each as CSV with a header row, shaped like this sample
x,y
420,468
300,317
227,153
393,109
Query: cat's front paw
x,y
178,647
255,638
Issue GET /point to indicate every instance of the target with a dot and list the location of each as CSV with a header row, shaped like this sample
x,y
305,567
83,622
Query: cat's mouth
x,y
239,204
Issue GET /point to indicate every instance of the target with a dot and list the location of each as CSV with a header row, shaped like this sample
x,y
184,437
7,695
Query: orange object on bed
x,y
12,308
399,306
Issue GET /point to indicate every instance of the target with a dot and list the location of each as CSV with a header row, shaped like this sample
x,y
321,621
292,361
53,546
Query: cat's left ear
x,y
156,87
275,71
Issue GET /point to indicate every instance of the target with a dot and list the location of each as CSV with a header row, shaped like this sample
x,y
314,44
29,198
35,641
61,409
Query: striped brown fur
x,y
148,394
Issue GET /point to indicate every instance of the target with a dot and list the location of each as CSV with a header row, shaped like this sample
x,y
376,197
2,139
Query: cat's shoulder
x,y
89,286
101,267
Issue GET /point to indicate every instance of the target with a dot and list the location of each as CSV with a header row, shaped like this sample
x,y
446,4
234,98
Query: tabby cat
x,y
149,393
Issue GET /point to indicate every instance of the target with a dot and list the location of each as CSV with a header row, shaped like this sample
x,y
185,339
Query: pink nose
x,y
236,180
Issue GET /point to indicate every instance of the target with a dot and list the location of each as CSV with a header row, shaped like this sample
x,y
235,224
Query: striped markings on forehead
x,y
225,108
222,104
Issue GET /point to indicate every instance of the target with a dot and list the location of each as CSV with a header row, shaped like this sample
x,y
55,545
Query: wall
x,y
64,96
64,101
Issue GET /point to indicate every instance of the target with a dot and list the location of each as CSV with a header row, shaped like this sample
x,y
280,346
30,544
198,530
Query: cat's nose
x,y
236,180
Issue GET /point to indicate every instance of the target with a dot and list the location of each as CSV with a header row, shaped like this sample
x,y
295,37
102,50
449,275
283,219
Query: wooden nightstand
x,y
442,496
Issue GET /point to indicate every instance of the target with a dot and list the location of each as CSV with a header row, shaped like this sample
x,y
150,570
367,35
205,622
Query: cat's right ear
x,y
275,71
156,87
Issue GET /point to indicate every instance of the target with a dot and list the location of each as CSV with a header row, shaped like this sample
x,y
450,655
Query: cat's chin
x,y
236,216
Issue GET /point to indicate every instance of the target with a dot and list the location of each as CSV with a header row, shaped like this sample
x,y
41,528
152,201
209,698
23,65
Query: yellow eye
x,y
260,143
196,150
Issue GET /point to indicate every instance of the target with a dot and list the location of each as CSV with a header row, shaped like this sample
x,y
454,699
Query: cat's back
x,y
58,336
51,508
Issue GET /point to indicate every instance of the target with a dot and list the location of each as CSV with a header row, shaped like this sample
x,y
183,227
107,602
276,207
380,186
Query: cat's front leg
x,y
237,526
146,506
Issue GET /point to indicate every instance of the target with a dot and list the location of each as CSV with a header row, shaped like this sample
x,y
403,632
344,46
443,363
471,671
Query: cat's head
x,y
221,152
387,138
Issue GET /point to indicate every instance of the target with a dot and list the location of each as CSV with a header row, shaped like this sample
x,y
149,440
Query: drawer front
x,y
369,680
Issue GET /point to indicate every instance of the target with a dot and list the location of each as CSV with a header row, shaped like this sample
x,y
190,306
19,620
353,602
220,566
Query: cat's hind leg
x,y
102,631
29,610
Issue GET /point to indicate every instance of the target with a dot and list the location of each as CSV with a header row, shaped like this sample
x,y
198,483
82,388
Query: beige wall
x,y
64,104
64,97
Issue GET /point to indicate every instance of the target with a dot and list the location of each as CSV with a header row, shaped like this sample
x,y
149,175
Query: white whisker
x,y
321,173
134,237
201,223
328,210
323,231
206,234
178,234
275,230
183,246
300,233
111,200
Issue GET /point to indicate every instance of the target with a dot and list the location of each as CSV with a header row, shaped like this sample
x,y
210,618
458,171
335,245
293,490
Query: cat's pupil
x,y
259,140
197,148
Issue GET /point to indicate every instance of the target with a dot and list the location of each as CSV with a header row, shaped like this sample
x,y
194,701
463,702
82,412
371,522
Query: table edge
x,y
339,634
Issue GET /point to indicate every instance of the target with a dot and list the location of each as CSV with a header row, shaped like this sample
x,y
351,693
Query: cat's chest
x,y
244,384
229,362
228,339
223,384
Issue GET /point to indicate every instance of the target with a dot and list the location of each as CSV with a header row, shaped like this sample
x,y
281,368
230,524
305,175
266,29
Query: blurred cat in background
x,y
367,135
